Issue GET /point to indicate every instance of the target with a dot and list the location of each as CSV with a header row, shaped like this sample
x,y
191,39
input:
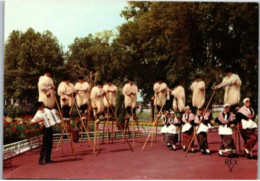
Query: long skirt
x,y
227,142
171,138
202,140
187,137
249,136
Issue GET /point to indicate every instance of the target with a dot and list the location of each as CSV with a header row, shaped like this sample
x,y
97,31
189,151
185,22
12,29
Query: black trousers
x,y
46,144
129,110
202,140
108,110
66,111
83,109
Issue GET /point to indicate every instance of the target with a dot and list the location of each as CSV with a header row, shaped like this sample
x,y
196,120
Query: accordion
x,y
51,117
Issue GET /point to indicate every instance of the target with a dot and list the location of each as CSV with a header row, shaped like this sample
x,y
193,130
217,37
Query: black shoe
x,y
233,155
249,156
41,162
49,161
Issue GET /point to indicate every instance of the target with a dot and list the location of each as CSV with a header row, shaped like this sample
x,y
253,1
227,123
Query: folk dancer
x,y
198,89
187,128
173,130
130,92
110,90
165,124
179,98
245,117
82,95
97,101
225,120
203,129
45,154
232,84
46,90
66,92
160,94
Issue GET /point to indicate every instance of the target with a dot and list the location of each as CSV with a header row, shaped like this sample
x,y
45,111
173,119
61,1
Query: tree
x,y
180,40
26,56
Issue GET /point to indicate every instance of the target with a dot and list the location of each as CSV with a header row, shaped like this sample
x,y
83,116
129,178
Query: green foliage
x,y
120,107
14,111
181,39
26,56
173,39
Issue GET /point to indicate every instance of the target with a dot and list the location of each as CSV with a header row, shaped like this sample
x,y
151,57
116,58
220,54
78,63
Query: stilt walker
x,y
110,90
130,92
160,94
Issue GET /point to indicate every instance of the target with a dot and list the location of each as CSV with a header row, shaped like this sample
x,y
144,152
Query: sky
x,y
65,19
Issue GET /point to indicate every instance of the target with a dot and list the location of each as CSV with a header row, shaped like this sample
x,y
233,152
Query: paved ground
x,y
116,161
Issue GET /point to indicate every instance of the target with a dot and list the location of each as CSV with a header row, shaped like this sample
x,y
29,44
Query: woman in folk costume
x,y
245,117
225,120
82,96
173,130
46,90
198,88
187,129
66,92
97,99
160,92
130,92
165,124
232,84
110,96
202,120
179,97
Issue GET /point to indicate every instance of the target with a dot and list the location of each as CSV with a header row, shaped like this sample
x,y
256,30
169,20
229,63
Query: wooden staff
x,y
117,121
238,132
199,123
82,123
153,126
71,144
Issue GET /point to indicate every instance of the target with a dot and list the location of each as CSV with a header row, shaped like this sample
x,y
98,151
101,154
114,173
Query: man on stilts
x,y
46,90
82,96
110,91
160,92
231,84
66,92
130,92
198,89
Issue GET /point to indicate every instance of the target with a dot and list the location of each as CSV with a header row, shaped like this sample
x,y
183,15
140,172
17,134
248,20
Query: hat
x,y
228,69
131,79
187,107
47,70
109,80
226,105
197,77
172,112
80,77
38,104
200,108
66,77
246,99
99,82
166,112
